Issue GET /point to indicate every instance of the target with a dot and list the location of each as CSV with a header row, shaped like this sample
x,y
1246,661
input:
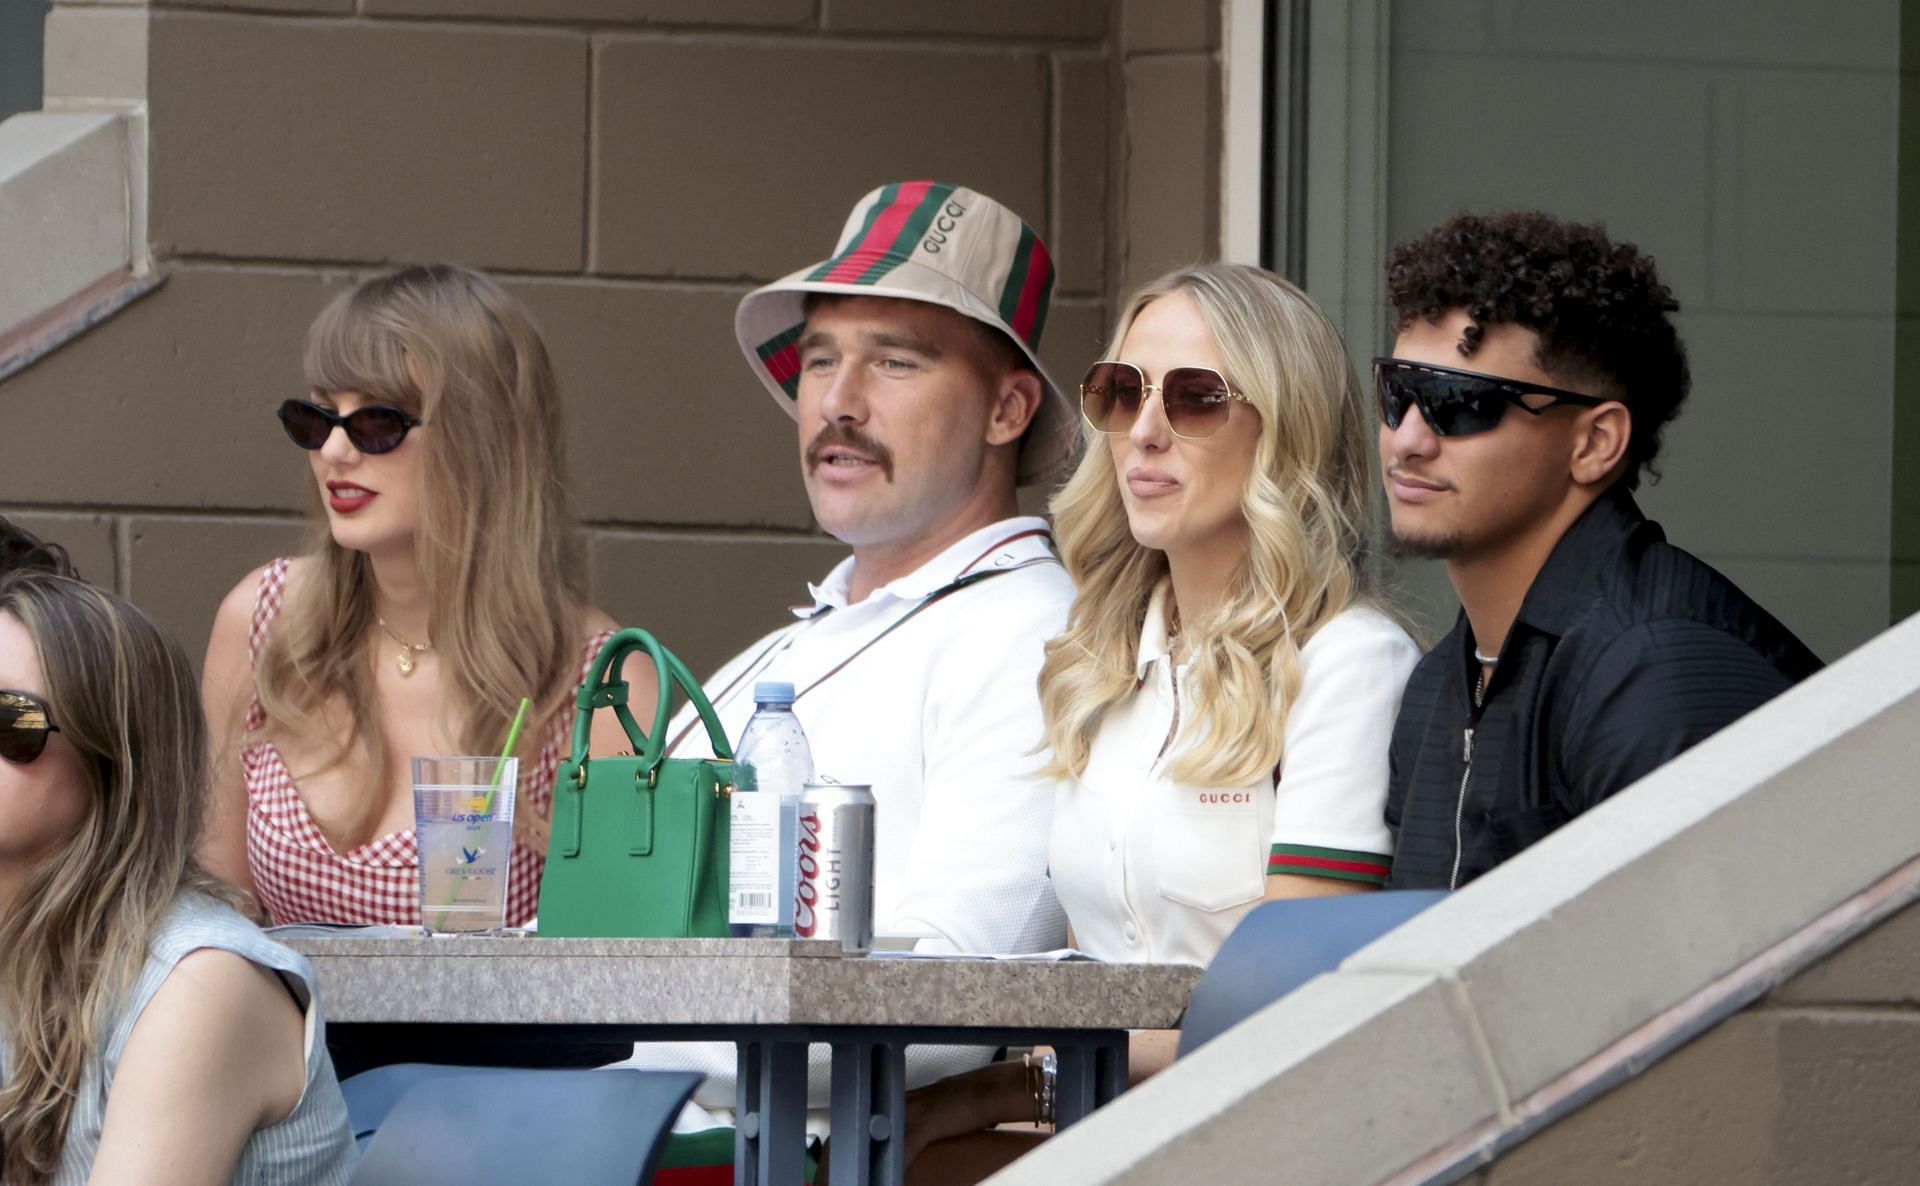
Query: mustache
x,y
1401,471
849,437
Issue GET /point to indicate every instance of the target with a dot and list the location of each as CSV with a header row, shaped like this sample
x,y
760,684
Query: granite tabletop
x,y
727,982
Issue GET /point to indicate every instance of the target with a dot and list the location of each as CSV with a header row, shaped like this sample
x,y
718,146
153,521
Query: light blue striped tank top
x,y
313,1146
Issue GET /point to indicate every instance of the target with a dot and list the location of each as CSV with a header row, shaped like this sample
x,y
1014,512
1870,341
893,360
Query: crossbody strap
x,y
786,639
941,594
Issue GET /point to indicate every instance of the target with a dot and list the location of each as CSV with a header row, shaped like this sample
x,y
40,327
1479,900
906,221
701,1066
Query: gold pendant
x,y
406,662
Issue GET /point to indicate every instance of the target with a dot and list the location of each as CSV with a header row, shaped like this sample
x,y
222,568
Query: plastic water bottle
x,y
771,765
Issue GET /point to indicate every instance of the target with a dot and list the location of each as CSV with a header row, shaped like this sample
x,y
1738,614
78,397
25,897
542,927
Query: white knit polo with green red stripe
x,y
1153,869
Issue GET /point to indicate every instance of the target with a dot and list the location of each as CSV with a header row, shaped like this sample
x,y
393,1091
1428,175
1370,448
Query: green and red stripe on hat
x,y
1028,292
939,243
901,216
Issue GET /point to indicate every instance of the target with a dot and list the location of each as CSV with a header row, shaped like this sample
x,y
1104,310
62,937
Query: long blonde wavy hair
x,y
124,696
498,544
1308,503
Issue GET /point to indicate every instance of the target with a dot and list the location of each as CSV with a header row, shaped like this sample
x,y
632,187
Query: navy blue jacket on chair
x,y
1279,946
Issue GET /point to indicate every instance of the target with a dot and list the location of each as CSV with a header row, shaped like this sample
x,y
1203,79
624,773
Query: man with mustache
x,y
908,362
1534,368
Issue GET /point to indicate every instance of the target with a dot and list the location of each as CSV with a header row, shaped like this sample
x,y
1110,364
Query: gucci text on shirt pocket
x,y
1207,852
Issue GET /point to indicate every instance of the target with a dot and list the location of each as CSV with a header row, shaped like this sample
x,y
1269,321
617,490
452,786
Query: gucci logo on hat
x,y
925,241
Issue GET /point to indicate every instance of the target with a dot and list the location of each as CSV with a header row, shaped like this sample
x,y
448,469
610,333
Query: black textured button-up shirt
x,y
1625,652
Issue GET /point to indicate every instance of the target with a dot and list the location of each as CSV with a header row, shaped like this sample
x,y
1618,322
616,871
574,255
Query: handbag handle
x,y
603,688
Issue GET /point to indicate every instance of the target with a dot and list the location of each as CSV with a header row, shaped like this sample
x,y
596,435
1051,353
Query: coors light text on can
x,y
833,894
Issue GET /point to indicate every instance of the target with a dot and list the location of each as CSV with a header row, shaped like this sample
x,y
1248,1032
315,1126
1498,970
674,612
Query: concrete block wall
x,y
629,168
63,178
1172,72
1752,149
1813,1084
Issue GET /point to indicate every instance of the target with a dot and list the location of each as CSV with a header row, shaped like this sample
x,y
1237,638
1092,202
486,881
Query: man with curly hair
x,y
1534,368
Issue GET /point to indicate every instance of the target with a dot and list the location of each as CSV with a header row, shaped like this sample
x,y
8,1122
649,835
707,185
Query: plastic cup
x,y
463,820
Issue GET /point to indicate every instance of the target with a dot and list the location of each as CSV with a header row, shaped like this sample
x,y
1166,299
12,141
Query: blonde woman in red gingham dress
x,y
449,581
298,876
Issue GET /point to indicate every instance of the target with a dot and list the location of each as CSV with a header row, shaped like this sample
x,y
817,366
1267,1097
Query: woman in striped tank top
x,y
143,1021
446,581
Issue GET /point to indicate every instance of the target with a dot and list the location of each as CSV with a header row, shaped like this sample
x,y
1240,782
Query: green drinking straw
x,y
499,772
506,751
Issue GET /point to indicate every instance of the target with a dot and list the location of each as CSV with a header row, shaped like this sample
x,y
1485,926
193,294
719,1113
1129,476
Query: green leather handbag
x,y
639,842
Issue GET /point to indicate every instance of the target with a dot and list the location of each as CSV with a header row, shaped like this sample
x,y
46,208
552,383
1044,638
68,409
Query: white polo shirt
x,y
942,718
1151,870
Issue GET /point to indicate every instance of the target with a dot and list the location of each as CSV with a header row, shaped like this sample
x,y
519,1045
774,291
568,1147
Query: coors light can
x,y
833,894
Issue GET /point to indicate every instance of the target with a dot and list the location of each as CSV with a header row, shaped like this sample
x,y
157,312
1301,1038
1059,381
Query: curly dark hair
x,y
23,551
1598,306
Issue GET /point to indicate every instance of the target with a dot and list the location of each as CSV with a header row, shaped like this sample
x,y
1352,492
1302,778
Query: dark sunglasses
x,y
24,725
376,428
1459,403
1196,400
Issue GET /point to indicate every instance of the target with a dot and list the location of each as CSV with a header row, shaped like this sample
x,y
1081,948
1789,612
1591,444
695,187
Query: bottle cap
x,y
773,692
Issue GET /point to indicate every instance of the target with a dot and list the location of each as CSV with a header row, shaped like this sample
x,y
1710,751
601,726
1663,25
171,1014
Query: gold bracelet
x,y
1035,1087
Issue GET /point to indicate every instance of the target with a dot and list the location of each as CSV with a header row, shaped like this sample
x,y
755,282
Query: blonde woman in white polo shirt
x,y
1219,707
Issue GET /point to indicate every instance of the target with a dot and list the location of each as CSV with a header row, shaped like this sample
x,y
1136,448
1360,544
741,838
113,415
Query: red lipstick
x,y
346,497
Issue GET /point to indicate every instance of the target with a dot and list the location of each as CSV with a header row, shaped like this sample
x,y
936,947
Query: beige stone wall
x,y
1813,1085
630,168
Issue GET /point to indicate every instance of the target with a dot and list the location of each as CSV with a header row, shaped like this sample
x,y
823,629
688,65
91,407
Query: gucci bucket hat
x,y
925,241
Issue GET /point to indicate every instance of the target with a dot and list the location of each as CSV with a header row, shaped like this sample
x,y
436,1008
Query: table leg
x,y
770,1122
1093,1071
869,1113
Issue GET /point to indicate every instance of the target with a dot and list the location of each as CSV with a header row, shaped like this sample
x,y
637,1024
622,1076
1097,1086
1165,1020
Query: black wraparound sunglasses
x,y
24,725
1459,403
376,428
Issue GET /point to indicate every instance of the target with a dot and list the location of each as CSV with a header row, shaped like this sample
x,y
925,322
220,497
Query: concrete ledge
x,y
1713,877
47,331
1300,1093
1879,970
66,206
1717,856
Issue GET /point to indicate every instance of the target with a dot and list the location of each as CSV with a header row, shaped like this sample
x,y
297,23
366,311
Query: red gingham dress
x,y
297,875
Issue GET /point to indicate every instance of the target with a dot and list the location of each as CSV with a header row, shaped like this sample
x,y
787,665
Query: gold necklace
x,y
407,649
